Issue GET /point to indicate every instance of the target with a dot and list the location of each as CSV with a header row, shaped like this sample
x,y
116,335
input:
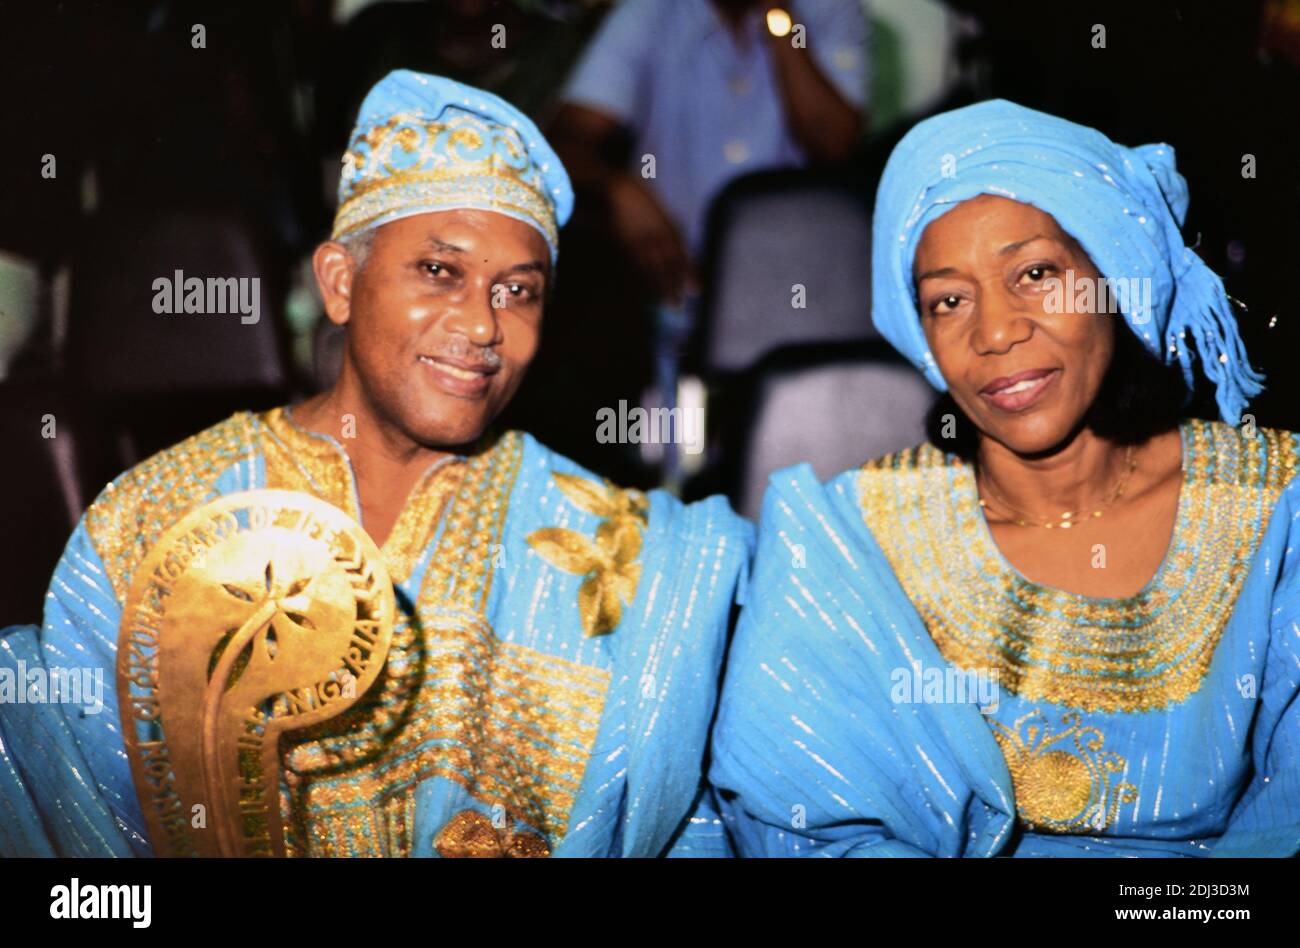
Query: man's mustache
x,y
467,352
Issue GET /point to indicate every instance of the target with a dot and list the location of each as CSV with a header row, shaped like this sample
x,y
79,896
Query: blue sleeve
x,y
50,805
21,830
753,838
839,40
811,755
641,790
1266,820
608,76
781,790
64,761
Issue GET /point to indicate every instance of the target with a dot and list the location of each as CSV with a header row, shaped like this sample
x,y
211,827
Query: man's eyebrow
x,y
442,245
532,266
436,243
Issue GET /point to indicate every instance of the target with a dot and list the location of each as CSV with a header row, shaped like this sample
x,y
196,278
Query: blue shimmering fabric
x,y
1089,748
593,744
1124,206
427,143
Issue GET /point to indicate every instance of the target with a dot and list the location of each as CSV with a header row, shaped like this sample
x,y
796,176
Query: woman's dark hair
x,y
1140,397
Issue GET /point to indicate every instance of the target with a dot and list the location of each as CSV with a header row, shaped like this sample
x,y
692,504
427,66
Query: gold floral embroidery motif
x,y
470,835
609,564
1058,790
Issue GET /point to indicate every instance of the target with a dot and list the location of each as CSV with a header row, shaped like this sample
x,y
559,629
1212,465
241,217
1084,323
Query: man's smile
x,y
459,377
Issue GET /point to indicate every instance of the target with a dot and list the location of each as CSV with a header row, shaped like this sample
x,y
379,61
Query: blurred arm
x,y
824,84
584,138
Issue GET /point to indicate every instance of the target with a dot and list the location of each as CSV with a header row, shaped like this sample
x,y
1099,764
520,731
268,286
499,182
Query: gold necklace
x,y
1070,517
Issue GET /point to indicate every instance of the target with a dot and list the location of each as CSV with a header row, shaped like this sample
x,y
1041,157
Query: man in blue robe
x,y
556,641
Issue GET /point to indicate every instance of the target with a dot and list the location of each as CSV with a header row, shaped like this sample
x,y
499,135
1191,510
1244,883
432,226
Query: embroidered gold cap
x,y
426,143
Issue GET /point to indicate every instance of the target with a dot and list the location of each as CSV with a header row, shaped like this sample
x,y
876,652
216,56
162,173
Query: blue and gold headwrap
x,y
1124,206
425,143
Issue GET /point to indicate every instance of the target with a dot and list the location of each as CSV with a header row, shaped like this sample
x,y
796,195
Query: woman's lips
x,y
1017,392
459,379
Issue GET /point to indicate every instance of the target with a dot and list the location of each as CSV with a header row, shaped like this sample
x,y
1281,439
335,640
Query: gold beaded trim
x,y
410,162
129,516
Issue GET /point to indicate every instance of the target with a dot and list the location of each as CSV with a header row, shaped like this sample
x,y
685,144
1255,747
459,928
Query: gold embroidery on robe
x,y
1061,790
1141,653
127,519
609,562
512,725
470,835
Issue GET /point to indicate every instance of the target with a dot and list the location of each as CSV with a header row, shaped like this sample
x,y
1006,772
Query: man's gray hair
x,y
358,245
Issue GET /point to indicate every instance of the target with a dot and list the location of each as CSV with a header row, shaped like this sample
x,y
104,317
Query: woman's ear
x,y
335,270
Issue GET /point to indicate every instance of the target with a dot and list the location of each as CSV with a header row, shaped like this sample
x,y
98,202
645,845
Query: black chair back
x,y
834,407
789,262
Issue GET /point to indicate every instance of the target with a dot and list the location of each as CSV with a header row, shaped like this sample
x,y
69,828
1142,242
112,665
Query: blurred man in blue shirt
x,y
707,90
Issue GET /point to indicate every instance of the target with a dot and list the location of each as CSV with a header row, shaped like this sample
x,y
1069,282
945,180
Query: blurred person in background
x,y
670,101
519,50
706,90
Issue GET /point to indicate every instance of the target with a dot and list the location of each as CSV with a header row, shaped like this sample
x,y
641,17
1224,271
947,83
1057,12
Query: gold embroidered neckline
x,y
299,459
1137,653
987,551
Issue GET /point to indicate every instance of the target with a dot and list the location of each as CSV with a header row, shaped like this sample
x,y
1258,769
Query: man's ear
x,y
334,270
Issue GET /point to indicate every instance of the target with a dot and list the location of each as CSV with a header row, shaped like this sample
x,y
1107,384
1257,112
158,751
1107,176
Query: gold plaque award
x,y
256,614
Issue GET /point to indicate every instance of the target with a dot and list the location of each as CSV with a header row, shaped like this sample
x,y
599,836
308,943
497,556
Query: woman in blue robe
x,y
1070,624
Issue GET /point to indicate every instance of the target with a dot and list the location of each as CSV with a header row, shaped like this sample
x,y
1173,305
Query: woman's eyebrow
x,y
1010,248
